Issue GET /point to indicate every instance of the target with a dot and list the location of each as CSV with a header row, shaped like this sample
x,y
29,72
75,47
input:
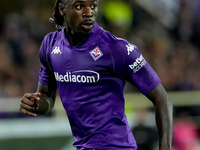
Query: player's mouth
x,y
87,25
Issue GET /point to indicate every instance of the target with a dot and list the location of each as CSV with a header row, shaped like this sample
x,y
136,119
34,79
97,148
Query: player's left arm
x,y
164,116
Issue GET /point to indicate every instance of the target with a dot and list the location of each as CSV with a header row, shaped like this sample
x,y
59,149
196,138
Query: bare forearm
x,y
164,116
47,99
164,121
44,105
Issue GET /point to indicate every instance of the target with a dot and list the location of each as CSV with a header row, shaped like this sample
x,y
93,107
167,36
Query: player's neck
x,y
75,38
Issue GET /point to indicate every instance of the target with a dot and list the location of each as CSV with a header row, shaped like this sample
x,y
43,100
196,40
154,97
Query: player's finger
x,y
27,112
37,95
29,107
32,96
29,102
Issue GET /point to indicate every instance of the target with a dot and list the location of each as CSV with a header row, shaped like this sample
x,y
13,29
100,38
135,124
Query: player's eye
x,y
93,6
79,7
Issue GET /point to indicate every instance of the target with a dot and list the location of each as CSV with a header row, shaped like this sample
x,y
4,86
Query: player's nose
x,y
88,12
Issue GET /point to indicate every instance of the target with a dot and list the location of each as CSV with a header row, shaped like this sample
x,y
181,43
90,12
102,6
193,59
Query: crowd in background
x,y
172,48
168,36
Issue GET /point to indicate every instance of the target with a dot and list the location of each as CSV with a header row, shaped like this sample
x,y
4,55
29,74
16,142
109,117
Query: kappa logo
x,y
56,50
96,53
130,48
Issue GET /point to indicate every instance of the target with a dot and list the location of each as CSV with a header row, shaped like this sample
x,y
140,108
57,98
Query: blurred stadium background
x,y
166,32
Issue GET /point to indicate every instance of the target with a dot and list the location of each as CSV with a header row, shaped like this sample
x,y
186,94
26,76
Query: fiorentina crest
x,y
96,53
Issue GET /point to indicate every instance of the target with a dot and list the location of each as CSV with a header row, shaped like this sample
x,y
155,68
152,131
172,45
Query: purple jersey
x,y
90,78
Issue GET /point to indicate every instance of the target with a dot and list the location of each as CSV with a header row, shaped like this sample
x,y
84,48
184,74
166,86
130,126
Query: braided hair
x,y
58,19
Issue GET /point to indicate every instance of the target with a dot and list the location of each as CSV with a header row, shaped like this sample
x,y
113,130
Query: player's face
x,y
80,15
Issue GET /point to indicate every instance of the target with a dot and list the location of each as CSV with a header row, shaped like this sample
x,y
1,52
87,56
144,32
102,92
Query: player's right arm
x,y
42,102
39,103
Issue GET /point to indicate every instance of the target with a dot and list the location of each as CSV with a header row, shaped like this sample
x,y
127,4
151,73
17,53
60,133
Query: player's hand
x,y
29,104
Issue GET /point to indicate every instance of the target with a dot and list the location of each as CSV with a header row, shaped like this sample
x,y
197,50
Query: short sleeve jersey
x,y
90,78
